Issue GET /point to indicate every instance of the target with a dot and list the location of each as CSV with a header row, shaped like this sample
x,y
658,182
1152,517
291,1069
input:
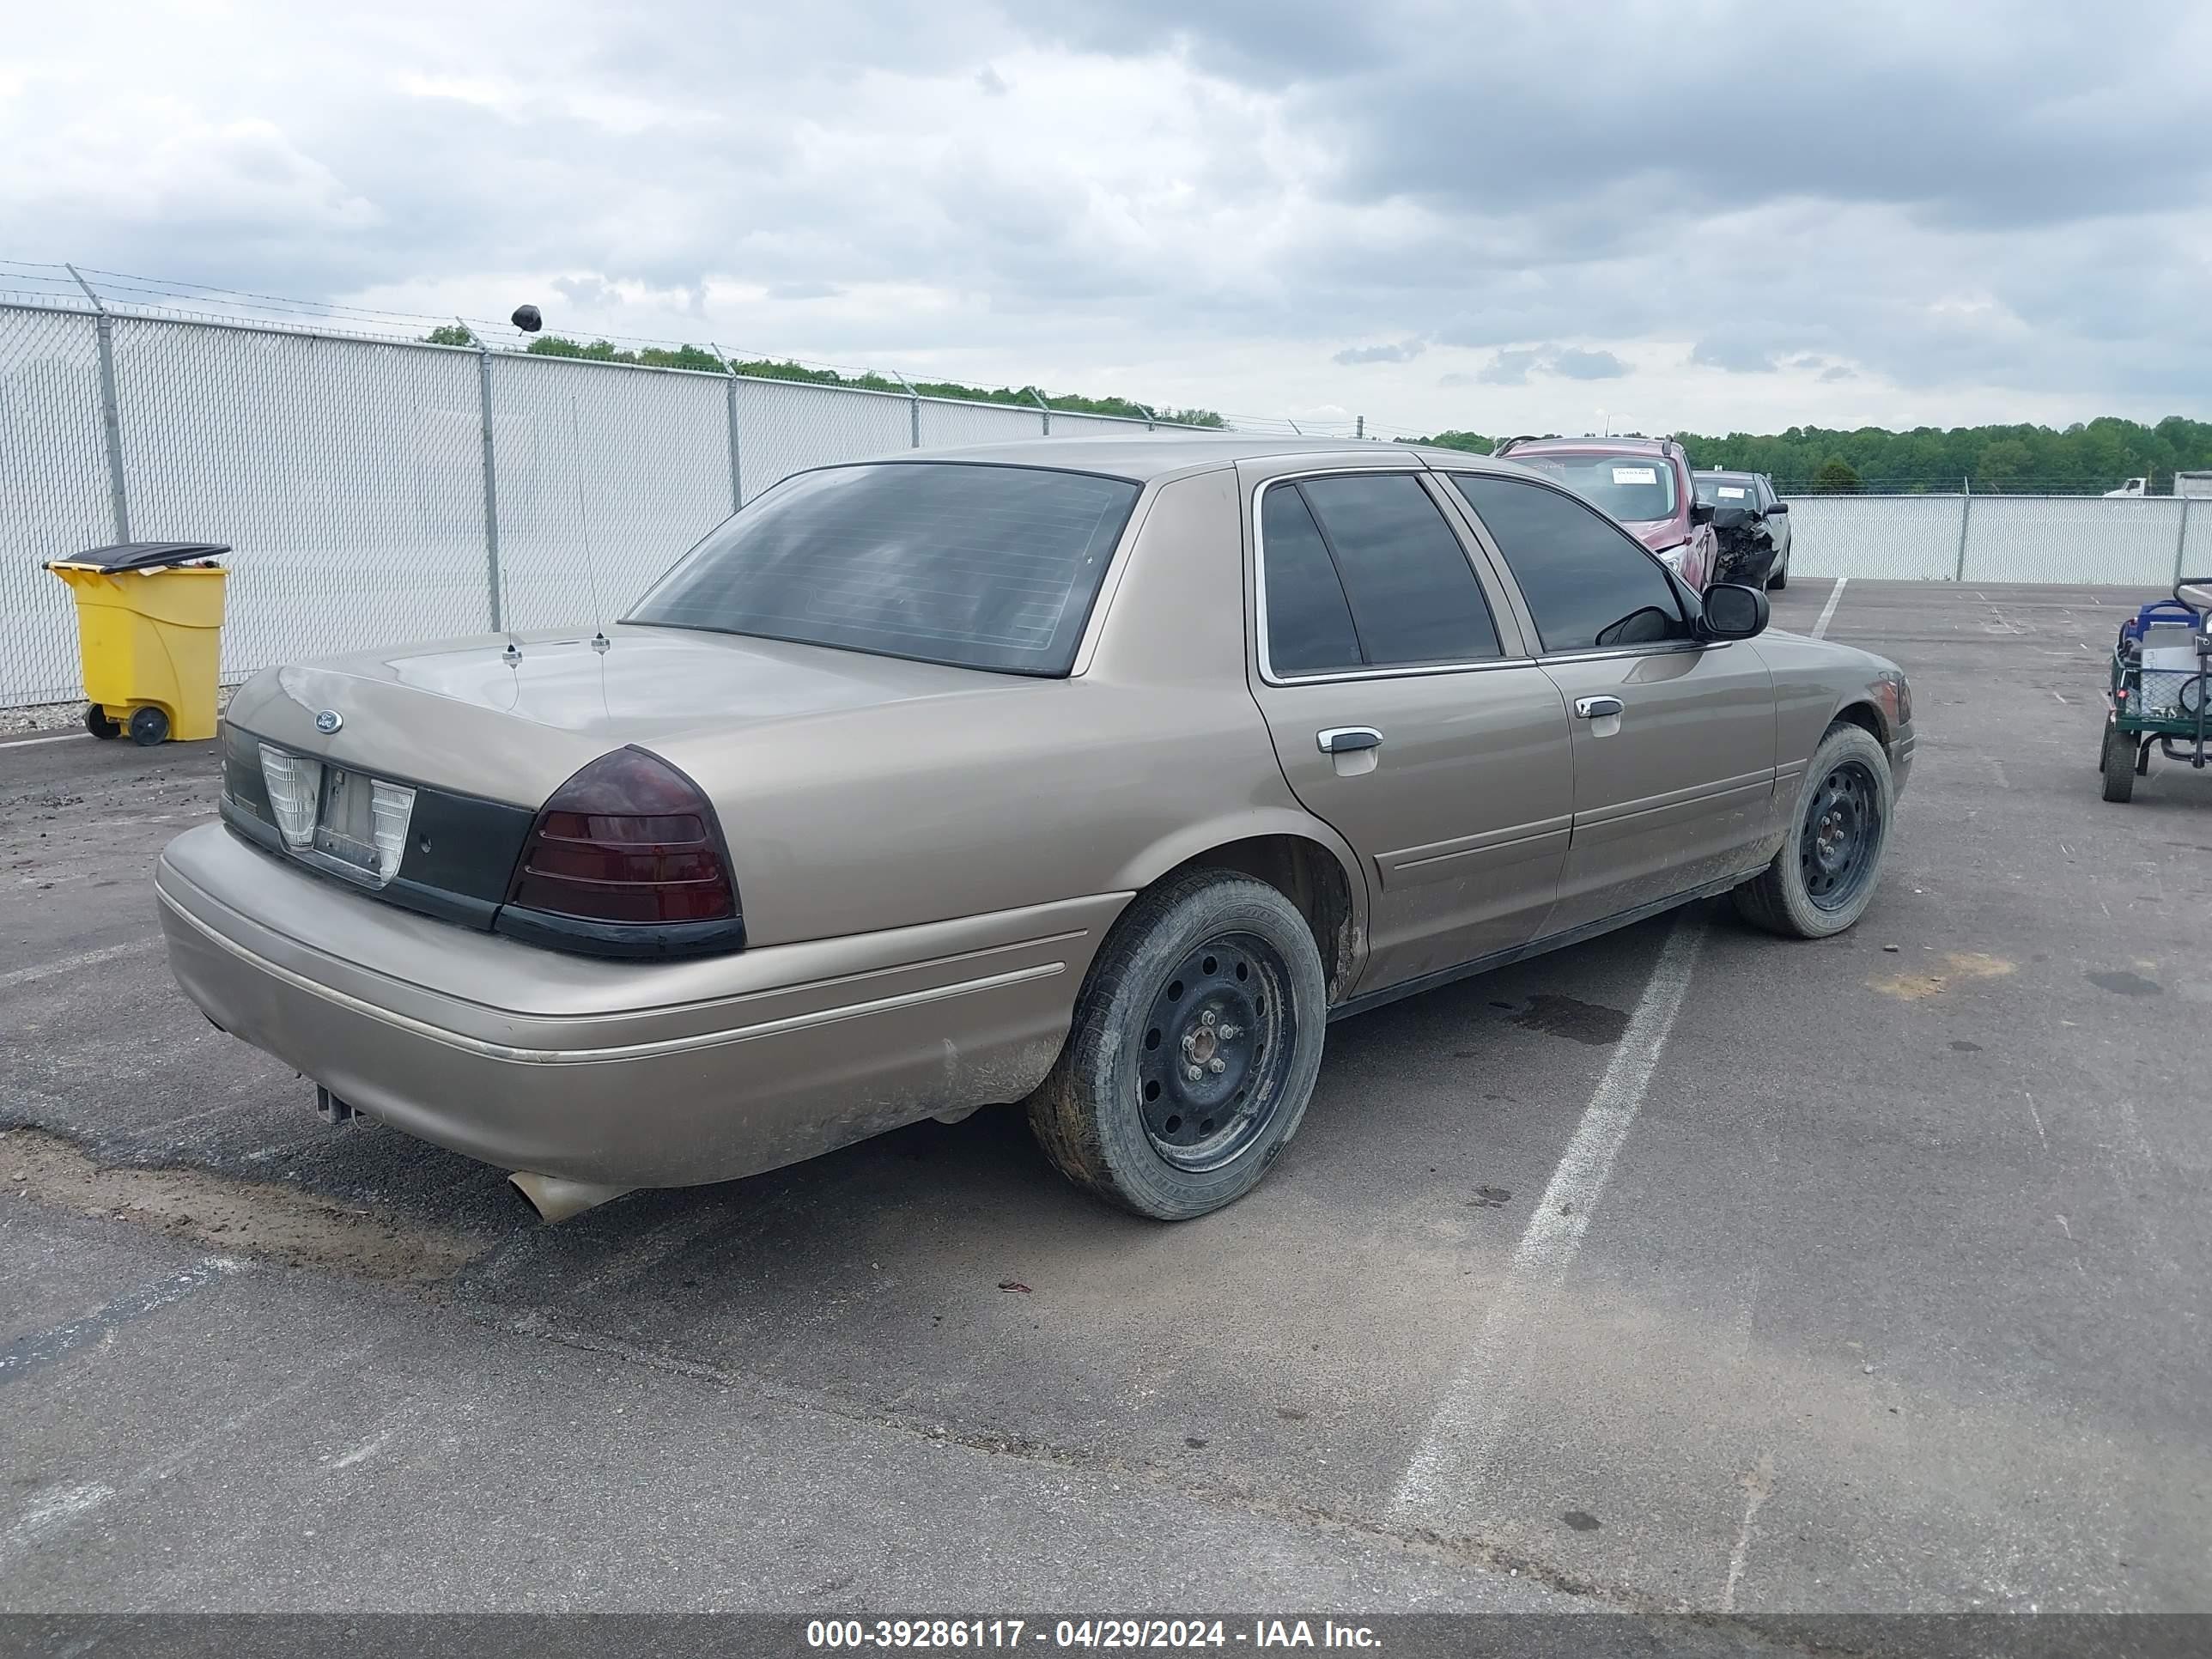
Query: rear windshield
x,y
977,567
1726,488
1632,488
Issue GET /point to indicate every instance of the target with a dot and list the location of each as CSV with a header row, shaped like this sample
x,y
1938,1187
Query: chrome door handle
x,y
1596,708
1348,739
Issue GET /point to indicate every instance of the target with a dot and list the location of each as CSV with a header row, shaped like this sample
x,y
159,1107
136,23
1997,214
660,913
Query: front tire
x,y
2119,765
1824,876
1780,579
1196,1042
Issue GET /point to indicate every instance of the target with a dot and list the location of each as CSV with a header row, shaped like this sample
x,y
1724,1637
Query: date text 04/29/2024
x,y
1123,1634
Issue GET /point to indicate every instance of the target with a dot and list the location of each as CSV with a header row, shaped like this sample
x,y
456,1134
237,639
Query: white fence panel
x,y
945,423
53,495
2072,538
2196,544
786,426
1094,426
606,474
348,476
1898,537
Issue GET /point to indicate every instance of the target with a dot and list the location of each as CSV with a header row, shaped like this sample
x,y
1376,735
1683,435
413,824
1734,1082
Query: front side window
x,y
1370,551
974,566
1589,586
1633,488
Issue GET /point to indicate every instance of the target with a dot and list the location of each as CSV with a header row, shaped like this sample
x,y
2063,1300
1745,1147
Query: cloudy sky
x,y
1435,213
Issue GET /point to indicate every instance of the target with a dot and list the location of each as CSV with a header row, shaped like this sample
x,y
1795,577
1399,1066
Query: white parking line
x,y
1465,1426
32,743
1828,611
82,959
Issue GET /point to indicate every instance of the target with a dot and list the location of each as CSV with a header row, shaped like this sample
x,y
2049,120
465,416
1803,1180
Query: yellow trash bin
x,y
149,626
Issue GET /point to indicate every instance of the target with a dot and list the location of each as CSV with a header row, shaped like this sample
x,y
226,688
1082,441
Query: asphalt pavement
x,y
1687,1269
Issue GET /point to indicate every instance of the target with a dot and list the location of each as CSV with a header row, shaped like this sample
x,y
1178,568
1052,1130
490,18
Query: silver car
x,y
1102,775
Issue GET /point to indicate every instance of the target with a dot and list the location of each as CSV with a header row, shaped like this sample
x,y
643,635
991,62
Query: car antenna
x,y
529,319
600,643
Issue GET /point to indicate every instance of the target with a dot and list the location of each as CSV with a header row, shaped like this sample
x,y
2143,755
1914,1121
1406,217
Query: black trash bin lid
x,y
146,555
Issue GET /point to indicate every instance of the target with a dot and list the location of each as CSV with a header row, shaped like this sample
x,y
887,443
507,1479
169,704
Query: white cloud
x,y
1262,209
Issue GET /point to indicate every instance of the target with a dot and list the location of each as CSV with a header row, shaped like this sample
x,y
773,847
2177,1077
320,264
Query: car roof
x,y
1728,472
1590,446
1141,457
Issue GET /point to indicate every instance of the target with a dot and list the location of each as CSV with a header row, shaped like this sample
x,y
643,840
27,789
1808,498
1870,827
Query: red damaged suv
x,y
1644,483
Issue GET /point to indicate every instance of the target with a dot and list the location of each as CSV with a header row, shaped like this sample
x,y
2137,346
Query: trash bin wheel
x,y
149,726
97,723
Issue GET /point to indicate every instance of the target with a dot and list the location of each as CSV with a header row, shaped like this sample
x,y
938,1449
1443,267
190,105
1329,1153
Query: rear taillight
x,y
628,850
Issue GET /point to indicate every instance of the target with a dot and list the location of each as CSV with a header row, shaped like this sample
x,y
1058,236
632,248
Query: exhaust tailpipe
x,y
556,1200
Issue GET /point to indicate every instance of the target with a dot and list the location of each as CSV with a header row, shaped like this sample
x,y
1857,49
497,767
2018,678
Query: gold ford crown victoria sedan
x,y
1099,774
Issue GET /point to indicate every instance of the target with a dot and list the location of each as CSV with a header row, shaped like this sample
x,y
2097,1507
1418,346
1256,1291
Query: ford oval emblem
x,y
329,721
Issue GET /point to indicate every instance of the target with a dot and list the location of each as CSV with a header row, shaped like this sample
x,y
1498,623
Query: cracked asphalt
x,y
1894,1297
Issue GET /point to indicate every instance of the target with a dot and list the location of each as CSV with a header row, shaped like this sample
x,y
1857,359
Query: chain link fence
x,y
2085,540
375,491
380,490
54,496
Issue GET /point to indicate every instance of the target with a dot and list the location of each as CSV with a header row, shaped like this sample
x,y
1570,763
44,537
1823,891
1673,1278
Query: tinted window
x,y
1414,599
980,567
1588,585
1309,624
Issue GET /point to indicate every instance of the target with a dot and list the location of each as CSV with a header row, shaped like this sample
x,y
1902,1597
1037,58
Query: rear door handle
x,y
1596,708
1348,739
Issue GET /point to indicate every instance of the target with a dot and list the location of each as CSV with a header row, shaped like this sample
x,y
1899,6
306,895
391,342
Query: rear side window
x,y
1371,554
976,567
1589,586
1309,620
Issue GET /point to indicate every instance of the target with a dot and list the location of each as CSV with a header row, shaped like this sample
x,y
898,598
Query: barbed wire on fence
x,y
73,287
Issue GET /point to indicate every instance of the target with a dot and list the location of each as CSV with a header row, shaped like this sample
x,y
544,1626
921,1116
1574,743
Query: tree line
x,y
2087,458
693,357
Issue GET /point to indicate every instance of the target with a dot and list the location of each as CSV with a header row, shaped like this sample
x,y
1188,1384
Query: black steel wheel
x,y
1217,1040
1823,875
97,723
1839,839
1195,1043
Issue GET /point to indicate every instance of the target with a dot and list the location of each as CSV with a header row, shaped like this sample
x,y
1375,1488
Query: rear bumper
x,y
625,1074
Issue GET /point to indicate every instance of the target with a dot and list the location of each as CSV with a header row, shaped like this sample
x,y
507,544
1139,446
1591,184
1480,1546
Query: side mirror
x,y
1734,612
1732,518
1701,513
1779,507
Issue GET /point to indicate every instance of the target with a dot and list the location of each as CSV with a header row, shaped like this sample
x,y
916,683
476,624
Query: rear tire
x,y
2119,765
1206,954
149,726
1825,875
97,723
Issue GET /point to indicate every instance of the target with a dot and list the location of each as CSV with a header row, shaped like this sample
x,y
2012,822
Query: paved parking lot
x,y
1893,1295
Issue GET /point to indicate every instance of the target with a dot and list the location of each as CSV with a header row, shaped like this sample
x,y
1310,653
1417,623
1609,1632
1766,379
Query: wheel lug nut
x,y
1217,1067
1194,1073
1231,1033
1206,1018
1190,1041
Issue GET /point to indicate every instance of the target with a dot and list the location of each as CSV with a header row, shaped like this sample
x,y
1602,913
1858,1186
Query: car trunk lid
x,y
510,717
